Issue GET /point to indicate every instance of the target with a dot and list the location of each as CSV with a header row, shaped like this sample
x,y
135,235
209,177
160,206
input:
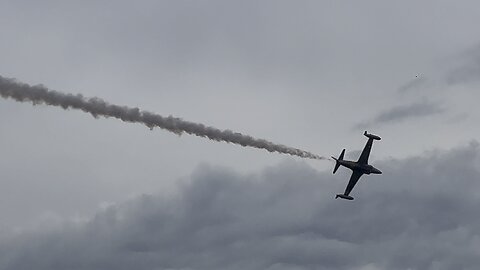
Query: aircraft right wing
x,y
366,152
353,180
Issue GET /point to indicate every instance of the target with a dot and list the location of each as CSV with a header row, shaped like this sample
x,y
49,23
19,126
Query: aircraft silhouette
x,y
358,168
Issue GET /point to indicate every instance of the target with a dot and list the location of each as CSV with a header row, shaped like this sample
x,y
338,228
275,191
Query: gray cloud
x,y
468,71
403,112
412,85
460,68
421,214
417,109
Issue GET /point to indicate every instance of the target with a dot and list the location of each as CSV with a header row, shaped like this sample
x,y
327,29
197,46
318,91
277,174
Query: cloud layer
x,y
469,69
421,214
403,112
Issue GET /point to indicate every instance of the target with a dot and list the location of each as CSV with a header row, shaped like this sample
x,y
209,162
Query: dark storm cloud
x,y
421,214
403,112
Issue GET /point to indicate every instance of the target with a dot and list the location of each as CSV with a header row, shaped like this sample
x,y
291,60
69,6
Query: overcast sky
x,y
307,74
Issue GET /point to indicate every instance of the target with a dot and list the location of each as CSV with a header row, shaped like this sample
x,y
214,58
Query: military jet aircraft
x,y
358,168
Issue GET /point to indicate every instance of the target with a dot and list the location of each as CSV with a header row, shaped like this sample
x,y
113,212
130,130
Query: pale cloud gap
x,y
421,214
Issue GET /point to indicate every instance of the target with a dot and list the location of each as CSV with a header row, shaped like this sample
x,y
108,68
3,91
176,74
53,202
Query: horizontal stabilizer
x,y
346,197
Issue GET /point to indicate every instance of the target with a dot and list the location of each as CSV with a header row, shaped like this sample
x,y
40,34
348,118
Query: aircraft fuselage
x,y
363,168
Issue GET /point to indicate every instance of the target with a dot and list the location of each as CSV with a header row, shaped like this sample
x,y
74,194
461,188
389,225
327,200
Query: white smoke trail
x,y
38,94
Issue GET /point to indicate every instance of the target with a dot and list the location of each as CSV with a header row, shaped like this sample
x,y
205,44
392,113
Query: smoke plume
x,y
38,94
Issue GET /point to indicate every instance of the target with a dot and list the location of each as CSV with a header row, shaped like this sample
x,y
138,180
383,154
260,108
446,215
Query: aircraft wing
x,y
366,152
353,180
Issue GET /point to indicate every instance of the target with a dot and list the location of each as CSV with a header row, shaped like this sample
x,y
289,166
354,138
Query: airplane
x,y
358,168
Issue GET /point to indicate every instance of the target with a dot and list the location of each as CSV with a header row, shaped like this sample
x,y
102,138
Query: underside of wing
x,y
366,152
353,181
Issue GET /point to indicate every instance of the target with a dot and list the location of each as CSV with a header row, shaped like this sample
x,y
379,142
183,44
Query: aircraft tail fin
x,y
337,164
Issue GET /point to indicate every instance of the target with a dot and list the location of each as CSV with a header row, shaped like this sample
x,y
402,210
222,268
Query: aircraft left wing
x,y
353,181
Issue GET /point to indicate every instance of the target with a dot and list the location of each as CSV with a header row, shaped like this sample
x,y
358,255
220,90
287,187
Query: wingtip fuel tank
x,y
371,136
346,197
